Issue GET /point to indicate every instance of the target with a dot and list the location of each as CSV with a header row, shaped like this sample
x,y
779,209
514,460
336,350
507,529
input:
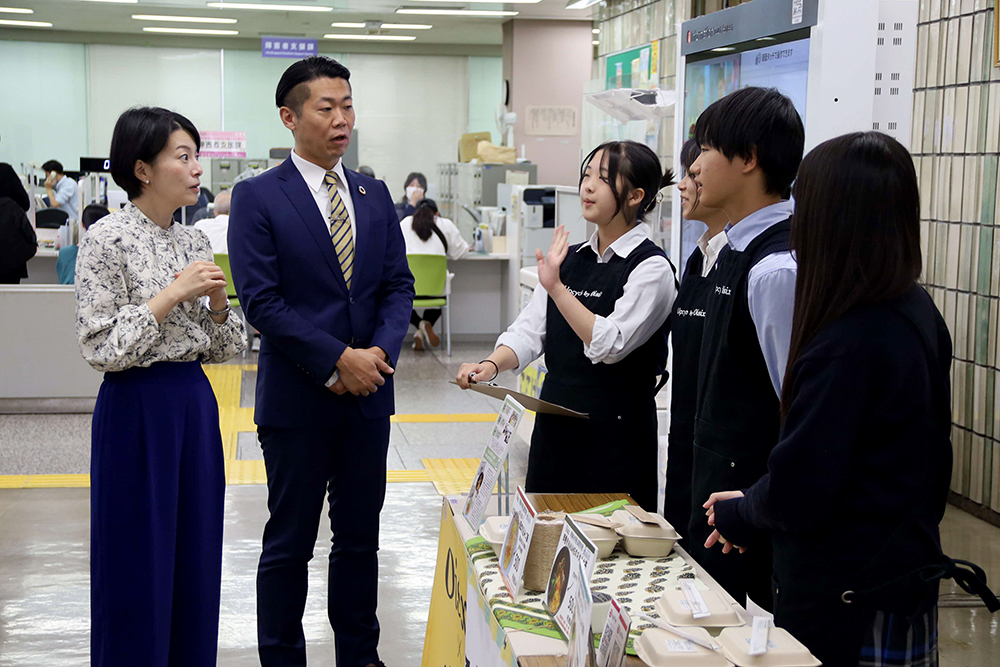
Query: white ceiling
x,y
98,17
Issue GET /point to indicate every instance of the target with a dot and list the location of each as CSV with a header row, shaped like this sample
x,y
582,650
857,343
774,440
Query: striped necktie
x,y
340,228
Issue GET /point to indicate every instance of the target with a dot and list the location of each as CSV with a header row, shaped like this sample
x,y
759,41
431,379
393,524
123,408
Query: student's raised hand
x,y
548,265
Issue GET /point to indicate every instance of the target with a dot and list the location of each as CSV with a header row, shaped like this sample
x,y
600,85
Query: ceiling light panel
x,y
372,38
25,24
181,19
16,10
190,31
115,2
269,8
454,12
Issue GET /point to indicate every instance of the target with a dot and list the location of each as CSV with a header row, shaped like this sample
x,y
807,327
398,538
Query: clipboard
x,y
531,403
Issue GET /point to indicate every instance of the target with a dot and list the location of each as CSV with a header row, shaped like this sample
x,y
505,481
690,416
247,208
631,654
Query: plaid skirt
x,y
893,641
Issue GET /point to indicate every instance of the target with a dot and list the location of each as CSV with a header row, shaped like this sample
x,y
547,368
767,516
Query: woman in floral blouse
x,y
151,308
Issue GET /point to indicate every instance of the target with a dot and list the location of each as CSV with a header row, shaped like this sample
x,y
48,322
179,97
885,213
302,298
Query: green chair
x,y
222,261
430,278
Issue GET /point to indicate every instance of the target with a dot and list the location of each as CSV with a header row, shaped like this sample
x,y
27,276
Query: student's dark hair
x,y
758,121
53,165
689,153
141,133
92,213
423,218
638,167
421,179
855,233
10,186
292,91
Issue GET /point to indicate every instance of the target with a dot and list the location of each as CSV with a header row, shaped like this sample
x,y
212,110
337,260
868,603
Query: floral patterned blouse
x,y
126,259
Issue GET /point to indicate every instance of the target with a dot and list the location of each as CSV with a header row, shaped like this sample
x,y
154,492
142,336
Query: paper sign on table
x,y
762,621
581,641
514,552
611,652
491,462
574,548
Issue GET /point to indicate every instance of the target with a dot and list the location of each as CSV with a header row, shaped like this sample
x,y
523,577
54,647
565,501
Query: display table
x,y
487,629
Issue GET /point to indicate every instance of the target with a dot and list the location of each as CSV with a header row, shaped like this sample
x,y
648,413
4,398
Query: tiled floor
x,y
44,537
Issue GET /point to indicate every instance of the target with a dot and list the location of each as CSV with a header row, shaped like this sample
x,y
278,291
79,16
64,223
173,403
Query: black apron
x,y
616,449
687,322
738,415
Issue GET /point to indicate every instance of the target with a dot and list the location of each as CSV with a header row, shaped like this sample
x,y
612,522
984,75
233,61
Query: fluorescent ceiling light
x,y
115,2
191,31
454,12
373,38
181,19
595,42
492,2
596,31
16,10
26,24
270,8
384,26
580,4
721,49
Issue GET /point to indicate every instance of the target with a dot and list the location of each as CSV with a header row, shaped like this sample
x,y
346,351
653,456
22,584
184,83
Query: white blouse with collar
x,y
126,259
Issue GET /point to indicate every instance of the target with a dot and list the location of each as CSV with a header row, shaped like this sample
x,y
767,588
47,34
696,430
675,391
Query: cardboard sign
x,y
611,652
570,574
514,552
491,462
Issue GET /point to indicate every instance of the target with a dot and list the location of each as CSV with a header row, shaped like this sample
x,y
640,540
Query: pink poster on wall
x,y
223,144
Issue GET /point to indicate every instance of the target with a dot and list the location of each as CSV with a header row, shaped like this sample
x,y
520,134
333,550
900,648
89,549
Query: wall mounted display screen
x,y
784,66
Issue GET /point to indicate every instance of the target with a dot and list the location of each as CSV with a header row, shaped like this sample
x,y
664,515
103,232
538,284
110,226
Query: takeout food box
x,y
783,650
659,648
673,607
652,540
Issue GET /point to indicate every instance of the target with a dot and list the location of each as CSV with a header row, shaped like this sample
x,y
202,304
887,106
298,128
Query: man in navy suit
x,y
319,263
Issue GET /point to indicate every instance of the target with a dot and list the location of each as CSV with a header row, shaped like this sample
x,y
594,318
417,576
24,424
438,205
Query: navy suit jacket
x,y
292,290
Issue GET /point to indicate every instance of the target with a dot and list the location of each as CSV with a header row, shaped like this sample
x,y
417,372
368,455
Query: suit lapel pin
x,y
361,189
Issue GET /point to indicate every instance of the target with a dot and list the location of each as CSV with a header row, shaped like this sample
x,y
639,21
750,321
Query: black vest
x,y
738,414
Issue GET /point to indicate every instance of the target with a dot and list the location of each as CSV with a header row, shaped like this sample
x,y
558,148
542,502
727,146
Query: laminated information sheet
x,y
571,571
492,462
611,652
514,553
581,640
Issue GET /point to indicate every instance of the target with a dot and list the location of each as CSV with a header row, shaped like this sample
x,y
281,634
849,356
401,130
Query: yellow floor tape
x,y
449,476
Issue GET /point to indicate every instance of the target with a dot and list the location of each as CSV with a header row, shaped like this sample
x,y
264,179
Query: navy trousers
x,y
157,494
344,459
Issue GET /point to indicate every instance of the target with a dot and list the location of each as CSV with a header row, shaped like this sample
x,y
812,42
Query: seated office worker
x,y
686,322
858,482
61,191
66,262
320,268
157,470
751,145
598,314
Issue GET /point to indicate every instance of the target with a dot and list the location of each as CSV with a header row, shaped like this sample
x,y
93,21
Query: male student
x,y
751,145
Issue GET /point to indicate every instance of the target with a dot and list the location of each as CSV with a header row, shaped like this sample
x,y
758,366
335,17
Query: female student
x,y
157,479
687,321
857,484
425,233
598,314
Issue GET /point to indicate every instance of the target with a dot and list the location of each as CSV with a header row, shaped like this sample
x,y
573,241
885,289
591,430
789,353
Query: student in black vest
x,y
687,321
751,145
599,316
858,481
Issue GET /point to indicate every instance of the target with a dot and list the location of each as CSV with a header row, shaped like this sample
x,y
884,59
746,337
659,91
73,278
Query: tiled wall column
x,y
956,130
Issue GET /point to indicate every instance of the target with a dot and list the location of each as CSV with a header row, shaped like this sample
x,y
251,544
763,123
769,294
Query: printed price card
x,y
492,461
514,553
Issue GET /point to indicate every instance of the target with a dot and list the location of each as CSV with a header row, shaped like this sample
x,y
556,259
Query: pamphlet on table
x,y
514,553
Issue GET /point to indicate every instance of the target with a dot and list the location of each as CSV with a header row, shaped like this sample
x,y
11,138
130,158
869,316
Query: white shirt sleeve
x,y
526,335
641,310
457,247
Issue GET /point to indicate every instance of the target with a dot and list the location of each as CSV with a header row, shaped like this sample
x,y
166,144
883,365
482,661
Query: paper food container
x,y
659,648
493,530
605,539
675,610
783,650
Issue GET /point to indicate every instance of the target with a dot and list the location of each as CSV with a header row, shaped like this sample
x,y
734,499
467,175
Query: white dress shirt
x,y
710,249
641,310
457,247
314,176
217,231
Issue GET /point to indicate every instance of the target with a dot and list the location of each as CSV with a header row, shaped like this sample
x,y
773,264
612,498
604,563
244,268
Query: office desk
x,y
482,299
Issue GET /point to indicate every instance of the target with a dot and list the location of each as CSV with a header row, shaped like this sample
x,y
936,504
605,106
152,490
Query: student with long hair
x,y
687,321
858,481
599,315
426,233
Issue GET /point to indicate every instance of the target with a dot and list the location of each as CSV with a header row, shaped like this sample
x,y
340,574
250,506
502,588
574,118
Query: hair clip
x,y
656,200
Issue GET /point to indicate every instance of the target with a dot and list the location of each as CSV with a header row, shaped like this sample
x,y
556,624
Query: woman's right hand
x,y
198,279
471,373
417,195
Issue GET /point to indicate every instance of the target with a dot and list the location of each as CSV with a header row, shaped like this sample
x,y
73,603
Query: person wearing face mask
x,y
599,314
151,307
416,189
61,192
687,320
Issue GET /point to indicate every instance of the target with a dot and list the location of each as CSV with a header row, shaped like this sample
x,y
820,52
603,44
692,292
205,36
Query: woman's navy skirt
x,y
157,494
